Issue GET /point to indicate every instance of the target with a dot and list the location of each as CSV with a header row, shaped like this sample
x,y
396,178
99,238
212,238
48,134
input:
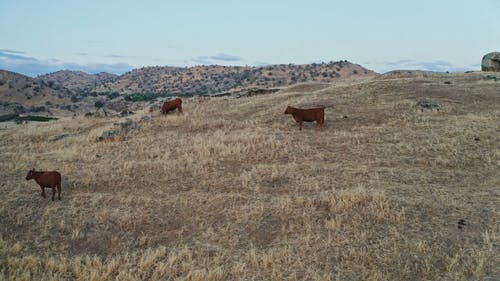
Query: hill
x,y
78,91
400,184
77,80
21,94
203,80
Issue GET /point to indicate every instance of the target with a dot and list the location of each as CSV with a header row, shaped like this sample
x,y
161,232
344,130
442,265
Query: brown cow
x,y
308,115
172,105
47,179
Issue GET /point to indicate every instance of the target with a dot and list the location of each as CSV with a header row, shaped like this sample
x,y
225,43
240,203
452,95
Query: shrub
x,y
113,95
99,104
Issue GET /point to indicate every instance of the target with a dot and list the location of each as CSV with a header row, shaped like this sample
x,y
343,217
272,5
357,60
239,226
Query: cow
x,y
308,115
47,180
172,105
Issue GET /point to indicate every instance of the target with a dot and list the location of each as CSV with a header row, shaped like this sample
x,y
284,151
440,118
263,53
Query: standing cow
x,y
47,180
172,105
308,115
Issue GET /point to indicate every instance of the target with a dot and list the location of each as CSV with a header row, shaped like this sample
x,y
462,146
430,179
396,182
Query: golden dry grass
x,y
232,190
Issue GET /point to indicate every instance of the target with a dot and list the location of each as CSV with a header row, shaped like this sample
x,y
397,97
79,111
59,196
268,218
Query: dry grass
x,y
232,190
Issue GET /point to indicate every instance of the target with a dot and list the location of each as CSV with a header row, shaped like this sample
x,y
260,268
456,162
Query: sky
x,y
42,36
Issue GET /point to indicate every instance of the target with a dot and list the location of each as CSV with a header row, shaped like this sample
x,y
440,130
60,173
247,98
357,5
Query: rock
x,y
120,133
129,124
154,107
428,104
58,137
107,135
492,77
126,112
146,118
491,62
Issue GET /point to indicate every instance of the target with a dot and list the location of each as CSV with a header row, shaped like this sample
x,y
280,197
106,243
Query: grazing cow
x,y
172,105
47,179
308,115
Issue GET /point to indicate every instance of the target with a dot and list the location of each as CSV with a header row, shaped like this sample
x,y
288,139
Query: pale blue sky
x,y
39,36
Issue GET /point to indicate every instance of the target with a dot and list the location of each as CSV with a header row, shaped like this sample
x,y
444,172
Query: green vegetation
x,y
15,117
138,97
99,104
8,117
36,118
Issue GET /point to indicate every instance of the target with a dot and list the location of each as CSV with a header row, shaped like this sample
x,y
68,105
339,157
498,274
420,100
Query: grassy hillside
x,y
232,190
77,80
23,94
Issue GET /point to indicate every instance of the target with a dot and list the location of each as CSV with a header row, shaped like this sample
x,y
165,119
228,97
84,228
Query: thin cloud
x,y
261,63
116,56
202,60
82,54
408,64
225,57
9,55
12,51
33,67
217,58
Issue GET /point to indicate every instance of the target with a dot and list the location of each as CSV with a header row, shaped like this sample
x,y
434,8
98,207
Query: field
x,y
232,190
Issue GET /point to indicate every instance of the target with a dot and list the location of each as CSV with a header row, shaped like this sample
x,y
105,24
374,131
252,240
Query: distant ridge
x,y
200,80
78,79
68,92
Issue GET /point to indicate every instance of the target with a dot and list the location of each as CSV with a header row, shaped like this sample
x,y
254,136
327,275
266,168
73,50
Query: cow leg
x,y
300,125
180,108
53,192
59,191
43,192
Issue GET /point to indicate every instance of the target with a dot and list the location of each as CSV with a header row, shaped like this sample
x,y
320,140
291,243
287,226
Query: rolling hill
x,y
203,80
77,80
21,94
400,184
75,92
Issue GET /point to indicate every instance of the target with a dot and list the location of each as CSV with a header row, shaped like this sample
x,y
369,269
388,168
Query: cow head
x,y
30,175
289,110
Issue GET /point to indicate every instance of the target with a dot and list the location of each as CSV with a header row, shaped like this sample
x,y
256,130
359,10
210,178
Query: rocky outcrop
x,y
121,130
491,62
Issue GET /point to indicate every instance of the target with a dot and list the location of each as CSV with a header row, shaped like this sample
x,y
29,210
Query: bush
x,y
37,108
99,104
36,118
138,97
113,95
8,117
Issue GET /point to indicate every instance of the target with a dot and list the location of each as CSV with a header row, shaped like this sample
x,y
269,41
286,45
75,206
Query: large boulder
x,y
491,62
